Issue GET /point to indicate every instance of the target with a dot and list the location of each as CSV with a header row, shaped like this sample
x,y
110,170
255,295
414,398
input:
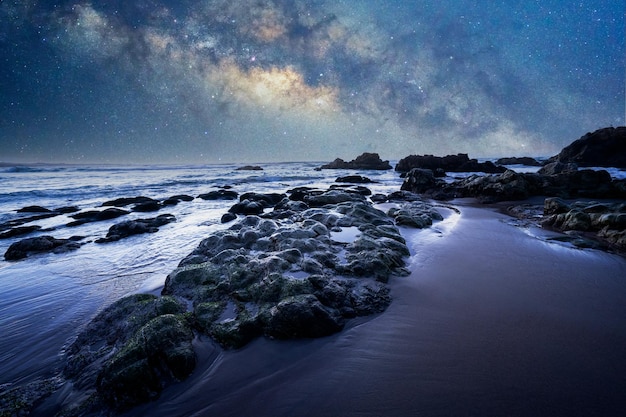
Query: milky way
x,y
165,81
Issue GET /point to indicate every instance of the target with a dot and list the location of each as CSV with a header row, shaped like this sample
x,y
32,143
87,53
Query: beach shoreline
x,y
491,321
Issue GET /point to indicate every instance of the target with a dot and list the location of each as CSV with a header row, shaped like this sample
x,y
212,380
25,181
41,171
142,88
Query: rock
x,y
228,217
449,163
134,227
556,167
249,168
365,161
355,189
524,160
219,195
147,206
132,350
266,200
158,354
555,205
260,262
354,179
126,201
419,180
41,244
302,316
96,216
603,148
331,197
606,222
19,231
34,209
415,214
175,199
246,207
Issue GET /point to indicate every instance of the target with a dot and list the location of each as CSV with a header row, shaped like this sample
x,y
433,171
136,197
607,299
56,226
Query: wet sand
x,y
492,322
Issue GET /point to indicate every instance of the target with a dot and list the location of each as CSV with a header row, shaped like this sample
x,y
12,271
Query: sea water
x,y
45,300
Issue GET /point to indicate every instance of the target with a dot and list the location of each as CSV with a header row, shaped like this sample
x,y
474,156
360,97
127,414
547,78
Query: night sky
x,y
181,81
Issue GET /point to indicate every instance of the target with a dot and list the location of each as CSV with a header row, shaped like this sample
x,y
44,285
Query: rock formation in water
x,y
365,161
603,148
450,163
300,270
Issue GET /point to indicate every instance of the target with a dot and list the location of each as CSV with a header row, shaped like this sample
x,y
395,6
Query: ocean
x,y
489,317
45,300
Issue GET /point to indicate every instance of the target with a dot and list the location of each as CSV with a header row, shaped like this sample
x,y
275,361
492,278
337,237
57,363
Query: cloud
x,y
346,78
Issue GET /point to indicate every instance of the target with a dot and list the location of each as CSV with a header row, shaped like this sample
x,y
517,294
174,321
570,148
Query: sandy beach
x,y
492,321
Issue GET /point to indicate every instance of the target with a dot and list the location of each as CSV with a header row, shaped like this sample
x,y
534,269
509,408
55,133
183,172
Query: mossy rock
x,y
158,353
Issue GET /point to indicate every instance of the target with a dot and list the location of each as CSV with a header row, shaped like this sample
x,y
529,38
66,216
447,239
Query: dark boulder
x,y
219,195
354,179
365,161
450,163
96,216
147,206
158,354
556,167
249,168
41,244
266,200
19,231
135,227
302,316
603,148
34,209
524,160
246,207
419,180
125,201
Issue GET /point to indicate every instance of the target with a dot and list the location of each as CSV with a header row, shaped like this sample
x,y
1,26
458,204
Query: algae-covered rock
x,y
302,316
157,354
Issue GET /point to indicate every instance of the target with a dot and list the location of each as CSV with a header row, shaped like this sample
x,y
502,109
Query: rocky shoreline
x,y
293,265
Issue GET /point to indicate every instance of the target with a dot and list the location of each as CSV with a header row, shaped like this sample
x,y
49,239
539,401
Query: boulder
x,y
126,201
131,350
246,207
557,167
135,227
96,216
40,244
354,179
365,161
450,163
249,168
419,180
302,316
524,160
603,148
219,195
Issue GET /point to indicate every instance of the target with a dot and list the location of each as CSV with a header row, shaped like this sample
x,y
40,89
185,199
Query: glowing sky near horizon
x,y
182,81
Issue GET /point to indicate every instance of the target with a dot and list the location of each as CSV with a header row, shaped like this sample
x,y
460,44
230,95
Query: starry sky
x,y
206,81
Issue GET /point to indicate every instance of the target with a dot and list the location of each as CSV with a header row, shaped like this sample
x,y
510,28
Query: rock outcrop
x,y
603,148
516,160
300,270
40,244
365,161
450,163
512,185
136,227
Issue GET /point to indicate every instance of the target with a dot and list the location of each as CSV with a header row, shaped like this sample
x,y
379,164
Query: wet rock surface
x,y
136,227
298,270
131,351
450,163
40,244
364,161
603,148
564,182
